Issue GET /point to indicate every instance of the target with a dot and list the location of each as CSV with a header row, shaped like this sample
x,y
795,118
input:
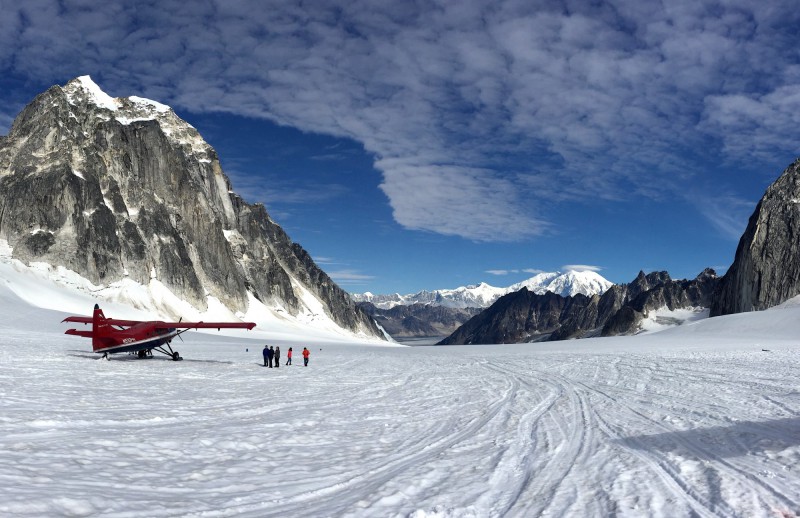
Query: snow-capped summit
x,y
82,92
566,284
84,89
569,283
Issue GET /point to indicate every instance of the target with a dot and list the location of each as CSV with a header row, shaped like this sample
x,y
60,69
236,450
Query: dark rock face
x,y
671,294
766,268
522,316
419,320
123,188
527,317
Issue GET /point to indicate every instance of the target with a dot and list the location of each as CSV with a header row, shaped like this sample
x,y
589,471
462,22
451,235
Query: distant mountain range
x,y
765,273
439,313
559,306
524,316
569,283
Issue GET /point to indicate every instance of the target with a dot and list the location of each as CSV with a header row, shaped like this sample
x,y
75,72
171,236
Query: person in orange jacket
x,y
306,352
289,357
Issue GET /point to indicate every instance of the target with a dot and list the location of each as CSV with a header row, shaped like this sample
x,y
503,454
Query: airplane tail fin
x,y
101,330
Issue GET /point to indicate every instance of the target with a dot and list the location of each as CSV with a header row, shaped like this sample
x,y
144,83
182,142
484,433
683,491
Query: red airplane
x,y
111,335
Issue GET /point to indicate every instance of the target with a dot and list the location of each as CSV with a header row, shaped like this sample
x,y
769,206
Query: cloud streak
x,y
533,271
479,113
580,268
350,277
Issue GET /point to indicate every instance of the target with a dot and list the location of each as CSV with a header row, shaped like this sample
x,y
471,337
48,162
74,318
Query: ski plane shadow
x,y
737,440
132,357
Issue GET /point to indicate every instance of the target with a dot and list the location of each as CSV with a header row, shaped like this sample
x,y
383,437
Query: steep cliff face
x,y
123,188
766,268
526,317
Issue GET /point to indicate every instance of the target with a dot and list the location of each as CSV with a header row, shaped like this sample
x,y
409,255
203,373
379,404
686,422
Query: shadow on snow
x,y
735,440
132,357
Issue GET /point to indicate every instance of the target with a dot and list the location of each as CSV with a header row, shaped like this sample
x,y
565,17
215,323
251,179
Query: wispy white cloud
x,y
343,276
726,212
755,124
325,260
271,189
479,113
533,271
457,201
350,277
581,268
501,272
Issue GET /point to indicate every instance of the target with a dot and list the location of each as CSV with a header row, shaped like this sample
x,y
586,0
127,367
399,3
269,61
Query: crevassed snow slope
x,y
698,420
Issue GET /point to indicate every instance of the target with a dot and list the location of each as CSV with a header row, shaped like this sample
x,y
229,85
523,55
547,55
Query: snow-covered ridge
x,y
83,88
569,283
126,110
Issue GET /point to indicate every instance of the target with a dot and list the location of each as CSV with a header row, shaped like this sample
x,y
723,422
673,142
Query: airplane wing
x,y
110,321
166,325
82,320
205,325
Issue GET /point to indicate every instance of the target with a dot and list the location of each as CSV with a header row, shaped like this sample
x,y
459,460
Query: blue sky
x,y
423,145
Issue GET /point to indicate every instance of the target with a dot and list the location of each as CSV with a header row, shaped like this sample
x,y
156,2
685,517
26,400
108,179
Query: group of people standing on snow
x,y
273,355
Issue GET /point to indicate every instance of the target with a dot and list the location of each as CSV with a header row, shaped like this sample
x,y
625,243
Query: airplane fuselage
x,y
140,337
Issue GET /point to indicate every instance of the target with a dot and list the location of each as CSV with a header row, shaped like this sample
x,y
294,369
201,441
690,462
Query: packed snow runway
x,y
699,420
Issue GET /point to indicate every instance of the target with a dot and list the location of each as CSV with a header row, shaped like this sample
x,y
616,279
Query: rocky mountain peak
x,y
82,90
122,189
85,96
708,273
766,268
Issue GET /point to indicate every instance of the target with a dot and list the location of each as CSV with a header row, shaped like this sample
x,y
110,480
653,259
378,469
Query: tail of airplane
x,y
101,333
101,330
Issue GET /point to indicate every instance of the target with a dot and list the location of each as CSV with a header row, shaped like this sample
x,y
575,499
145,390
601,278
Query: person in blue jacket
x,y
265,352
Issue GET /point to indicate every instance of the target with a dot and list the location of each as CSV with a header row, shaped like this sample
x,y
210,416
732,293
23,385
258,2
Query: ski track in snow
x,y
569,430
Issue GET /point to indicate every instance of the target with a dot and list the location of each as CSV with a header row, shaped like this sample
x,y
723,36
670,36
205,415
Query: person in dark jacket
x,y
277,356
270,355
265,352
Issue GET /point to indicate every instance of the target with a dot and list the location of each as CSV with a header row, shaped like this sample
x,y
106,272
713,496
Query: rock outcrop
x,y
669,294
766,268
124,189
